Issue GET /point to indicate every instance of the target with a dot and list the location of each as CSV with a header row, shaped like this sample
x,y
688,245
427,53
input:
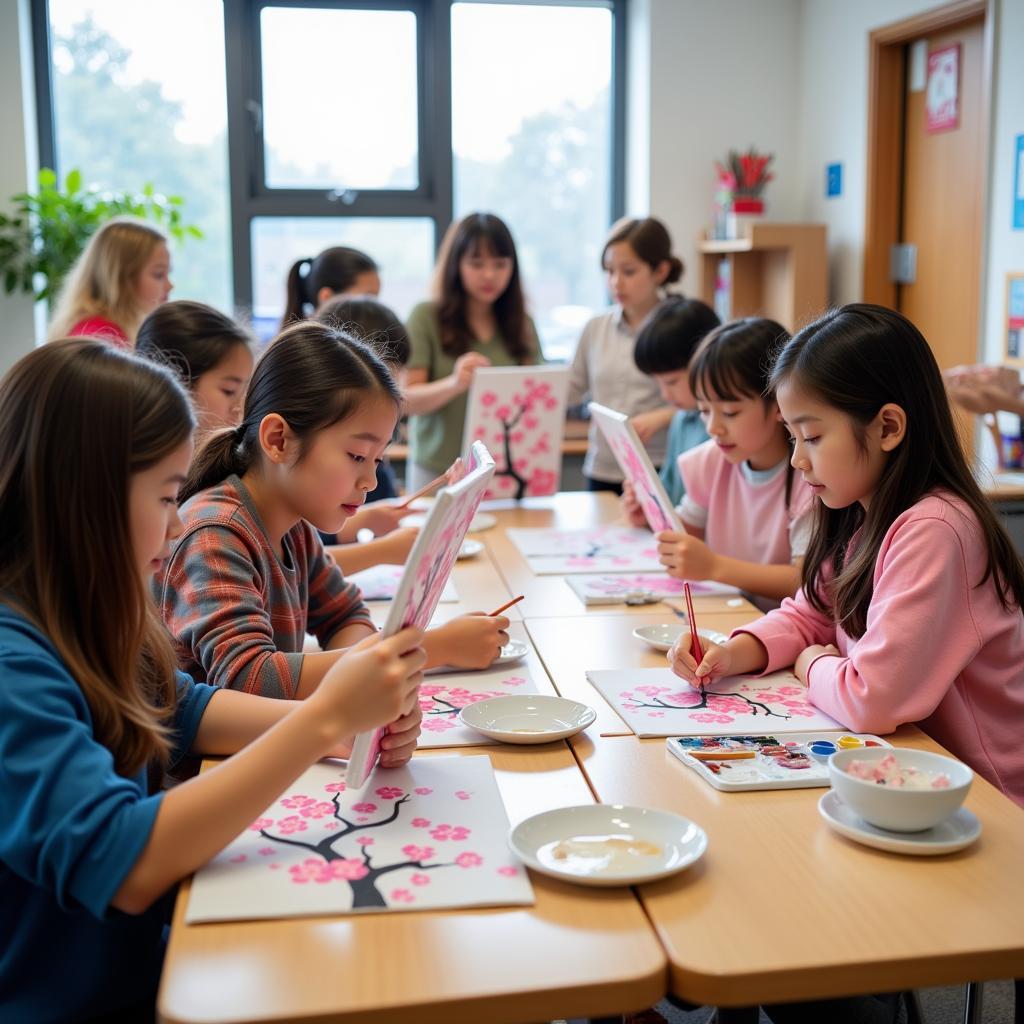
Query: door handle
x,y
903,263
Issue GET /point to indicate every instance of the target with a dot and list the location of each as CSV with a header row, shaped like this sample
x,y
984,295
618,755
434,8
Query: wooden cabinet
x,y
775,270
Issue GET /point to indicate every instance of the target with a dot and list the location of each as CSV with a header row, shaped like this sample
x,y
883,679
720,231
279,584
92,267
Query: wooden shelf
x,y
778,271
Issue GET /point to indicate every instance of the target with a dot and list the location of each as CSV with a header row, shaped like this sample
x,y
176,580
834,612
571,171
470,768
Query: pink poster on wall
x,y
942,95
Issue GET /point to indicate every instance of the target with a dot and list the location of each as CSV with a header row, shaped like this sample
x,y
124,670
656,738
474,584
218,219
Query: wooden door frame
x,y
886,85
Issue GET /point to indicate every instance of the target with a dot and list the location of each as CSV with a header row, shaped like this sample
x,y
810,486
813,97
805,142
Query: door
x,y
942,201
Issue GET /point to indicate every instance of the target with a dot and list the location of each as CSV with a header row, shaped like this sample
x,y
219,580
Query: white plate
x,y
470,549
678,840
481,521
956,832
513,651
662,637
527,718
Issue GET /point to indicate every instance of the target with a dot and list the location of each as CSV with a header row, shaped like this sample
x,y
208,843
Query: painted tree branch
x,y
753,705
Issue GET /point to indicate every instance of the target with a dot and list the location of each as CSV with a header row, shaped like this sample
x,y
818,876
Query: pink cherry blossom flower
x,y
332,826
454,832
350,870
488,398
419,879
704,716
438,724
335,787
364,808
469,860
267,851
389,792
365,840
298,800
420,823
462,794
420,853
293,823
308,871
317,810
508,870
423,790
402,896
261,823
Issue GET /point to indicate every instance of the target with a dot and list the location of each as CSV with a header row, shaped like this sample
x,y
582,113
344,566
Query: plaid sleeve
x,y
213,605
333,603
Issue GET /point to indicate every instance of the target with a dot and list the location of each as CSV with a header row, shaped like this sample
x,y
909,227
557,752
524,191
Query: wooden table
x,y
780,908
815,915
577,952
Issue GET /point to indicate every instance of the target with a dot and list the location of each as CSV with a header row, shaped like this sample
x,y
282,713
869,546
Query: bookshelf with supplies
x,y
775,270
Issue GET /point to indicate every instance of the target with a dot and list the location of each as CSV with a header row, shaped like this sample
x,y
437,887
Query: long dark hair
x,y
856,359
312,376
77,419
478,232
670,335
336,268
190,337
370,321
735,361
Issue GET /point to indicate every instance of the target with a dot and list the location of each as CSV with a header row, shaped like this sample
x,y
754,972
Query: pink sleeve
x,y
787,630
920,634
696,469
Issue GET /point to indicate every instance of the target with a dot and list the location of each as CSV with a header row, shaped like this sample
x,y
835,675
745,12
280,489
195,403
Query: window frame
x,y
249,195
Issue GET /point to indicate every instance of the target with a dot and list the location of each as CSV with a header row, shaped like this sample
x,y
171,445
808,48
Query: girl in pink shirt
x,y
122,275
910,608
745,515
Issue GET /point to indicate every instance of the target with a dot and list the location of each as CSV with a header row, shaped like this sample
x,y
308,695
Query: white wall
x,y
18,161
1005,248
719,74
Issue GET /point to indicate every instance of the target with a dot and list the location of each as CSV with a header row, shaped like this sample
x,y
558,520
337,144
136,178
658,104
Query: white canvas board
x,y
428,836
656,702
613,589
604,549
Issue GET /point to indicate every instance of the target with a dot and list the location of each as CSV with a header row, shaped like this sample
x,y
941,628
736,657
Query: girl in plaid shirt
x,y
249,577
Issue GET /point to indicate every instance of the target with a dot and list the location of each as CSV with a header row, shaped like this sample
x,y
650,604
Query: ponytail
x,y
337,269
223,454
296,298
312,376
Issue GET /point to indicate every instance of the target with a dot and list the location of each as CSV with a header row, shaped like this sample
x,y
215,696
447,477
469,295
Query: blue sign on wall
x,y
1018,184
833,180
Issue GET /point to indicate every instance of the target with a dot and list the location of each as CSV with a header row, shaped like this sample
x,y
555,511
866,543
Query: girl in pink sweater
x,y
910,606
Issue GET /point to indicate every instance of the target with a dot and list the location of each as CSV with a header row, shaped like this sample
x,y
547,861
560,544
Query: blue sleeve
x,y
192,700
69,823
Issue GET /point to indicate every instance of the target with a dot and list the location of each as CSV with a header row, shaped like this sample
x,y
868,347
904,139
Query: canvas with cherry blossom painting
x,y
427,836
380,583
656,702
519,413
636,468
607,549
426,572
443,696
614,589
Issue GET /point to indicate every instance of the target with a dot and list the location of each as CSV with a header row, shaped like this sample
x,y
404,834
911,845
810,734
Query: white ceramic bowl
x,y
897,809
663,636
527,718
675,843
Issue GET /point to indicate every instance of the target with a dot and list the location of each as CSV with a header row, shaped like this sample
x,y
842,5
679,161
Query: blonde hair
x,y
103,282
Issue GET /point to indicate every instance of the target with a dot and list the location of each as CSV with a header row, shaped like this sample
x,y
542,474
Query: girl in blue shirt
x,y
92,710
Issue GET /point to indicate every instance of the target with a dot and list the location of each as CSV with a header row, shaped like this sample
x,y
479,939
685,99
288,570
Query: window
x,y
532,143
339,98
350,122
127,111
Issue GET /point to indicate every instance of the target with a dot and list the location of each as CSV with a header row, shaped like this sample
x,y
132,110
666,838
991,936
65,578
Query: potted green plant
x,y
47,230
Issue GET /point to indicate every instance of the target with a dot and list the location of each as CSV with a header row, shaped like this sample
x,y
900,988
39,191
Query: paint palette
x,y
787,761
